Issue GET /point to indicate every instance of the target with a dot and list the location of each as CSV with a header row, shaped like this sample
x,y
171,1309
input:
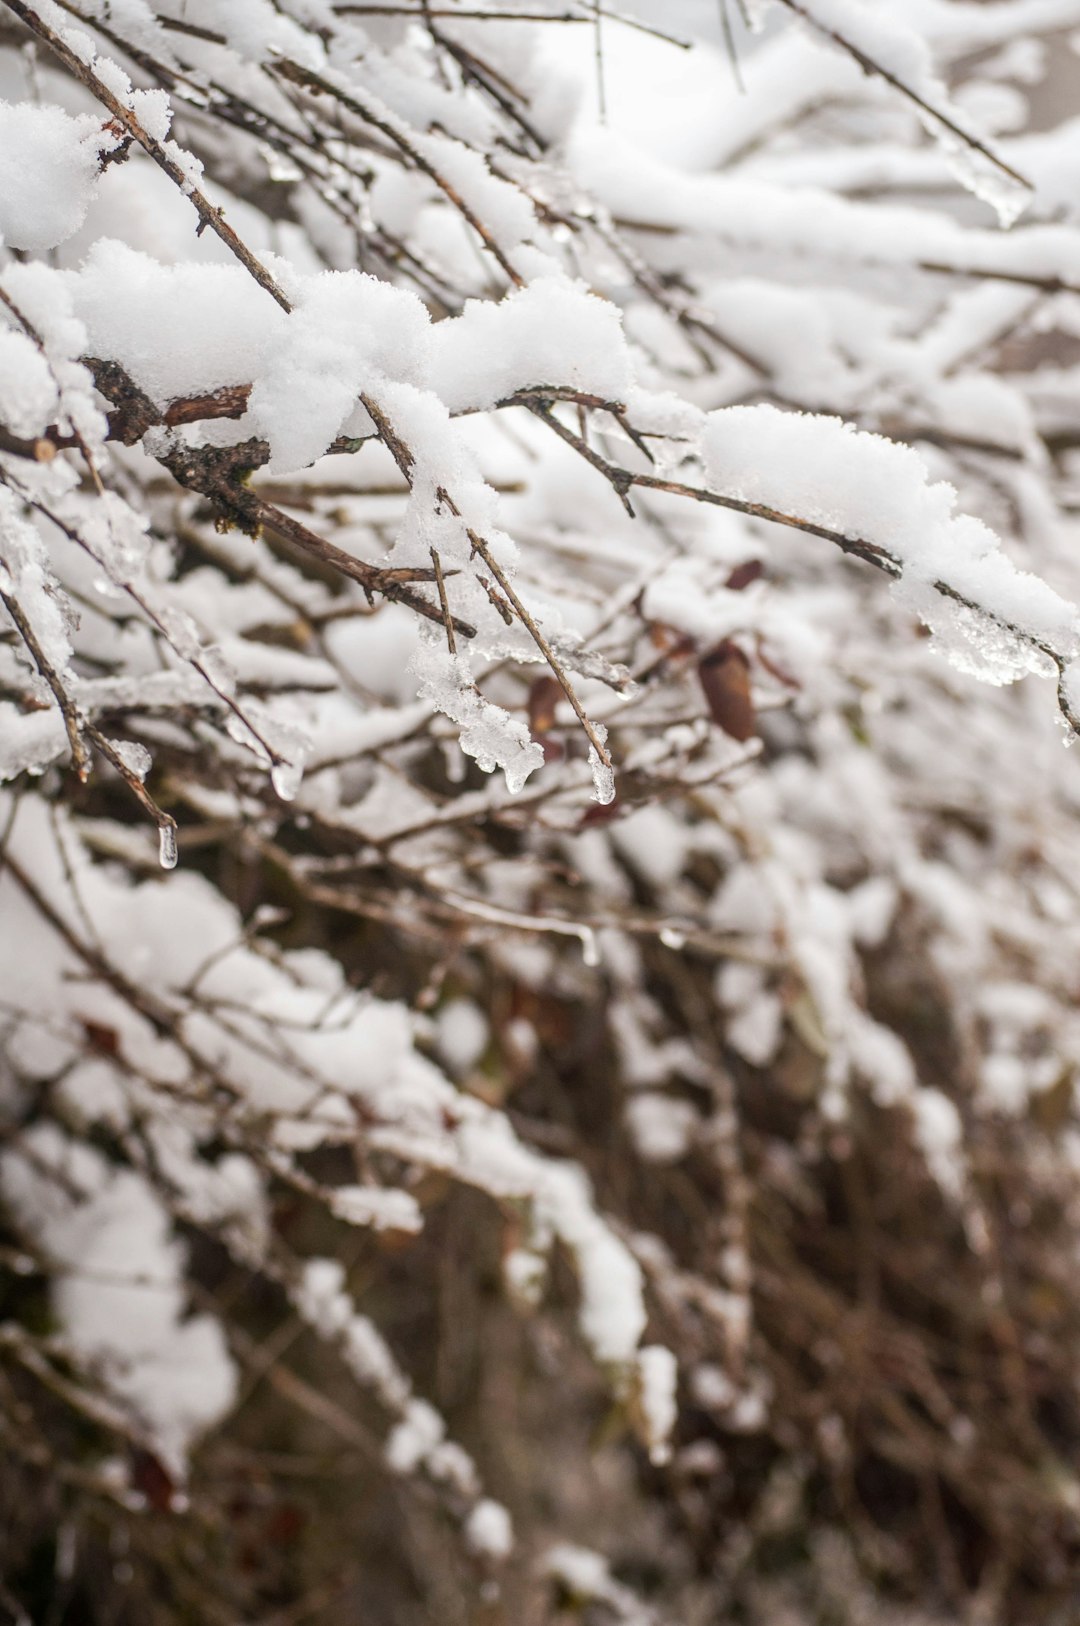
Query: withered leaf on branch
x,y
725,681
751,570
151,1478
101,1038
544,696
672,643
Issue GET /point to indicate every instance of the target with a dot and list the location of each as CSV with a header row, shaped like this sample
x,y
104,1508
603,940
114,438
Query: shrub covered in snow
x,y
516,907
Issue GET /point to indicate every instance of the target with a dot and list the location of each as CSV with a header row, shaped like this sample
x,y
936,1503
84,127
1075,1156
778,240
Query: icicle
x,y
286,777
167,853
603,778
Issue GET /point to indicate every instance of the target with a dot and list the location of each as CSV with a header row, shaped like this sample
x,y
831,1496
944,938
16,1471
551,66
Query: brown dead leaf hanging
x,y
544,695
725,681
744,575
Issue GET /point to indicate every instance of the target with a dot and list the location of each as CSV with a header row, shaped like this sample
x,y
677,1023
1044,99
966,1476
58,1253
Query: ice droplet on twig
x,y
167,845
136,758
603,777
286,777
590,946
672,937
1006,194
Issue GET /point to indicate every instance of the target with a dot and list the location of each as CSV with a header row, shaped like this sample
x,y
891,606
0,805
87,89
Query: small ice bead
x,y
590,947
167,845
136,758
516,772
286,777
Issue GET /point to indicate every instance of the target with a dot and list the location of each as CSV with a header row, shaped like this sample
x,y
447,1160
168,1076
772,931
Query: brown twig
x,y
220,474
38,450
165,822
447,617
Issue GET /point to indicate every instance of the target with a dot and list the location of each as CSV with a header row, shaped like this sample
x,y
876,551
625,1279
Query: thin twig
x,y
447,617
39,450
479,14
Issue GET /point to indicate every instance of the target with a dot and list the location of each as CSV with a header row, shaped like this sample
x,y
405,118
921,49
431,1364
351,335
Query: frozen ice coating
x,y
488,733
49,167
167,848
603,777
134,757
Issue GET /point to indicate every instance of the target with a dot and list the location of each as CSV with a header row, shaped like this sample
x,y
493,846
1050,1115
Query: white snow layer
x,y
876,491
49,167
120,1289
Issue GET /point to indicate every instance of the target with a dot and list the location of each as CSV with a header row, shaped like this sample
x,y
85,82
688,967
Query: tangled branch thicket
x,y
538,1038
